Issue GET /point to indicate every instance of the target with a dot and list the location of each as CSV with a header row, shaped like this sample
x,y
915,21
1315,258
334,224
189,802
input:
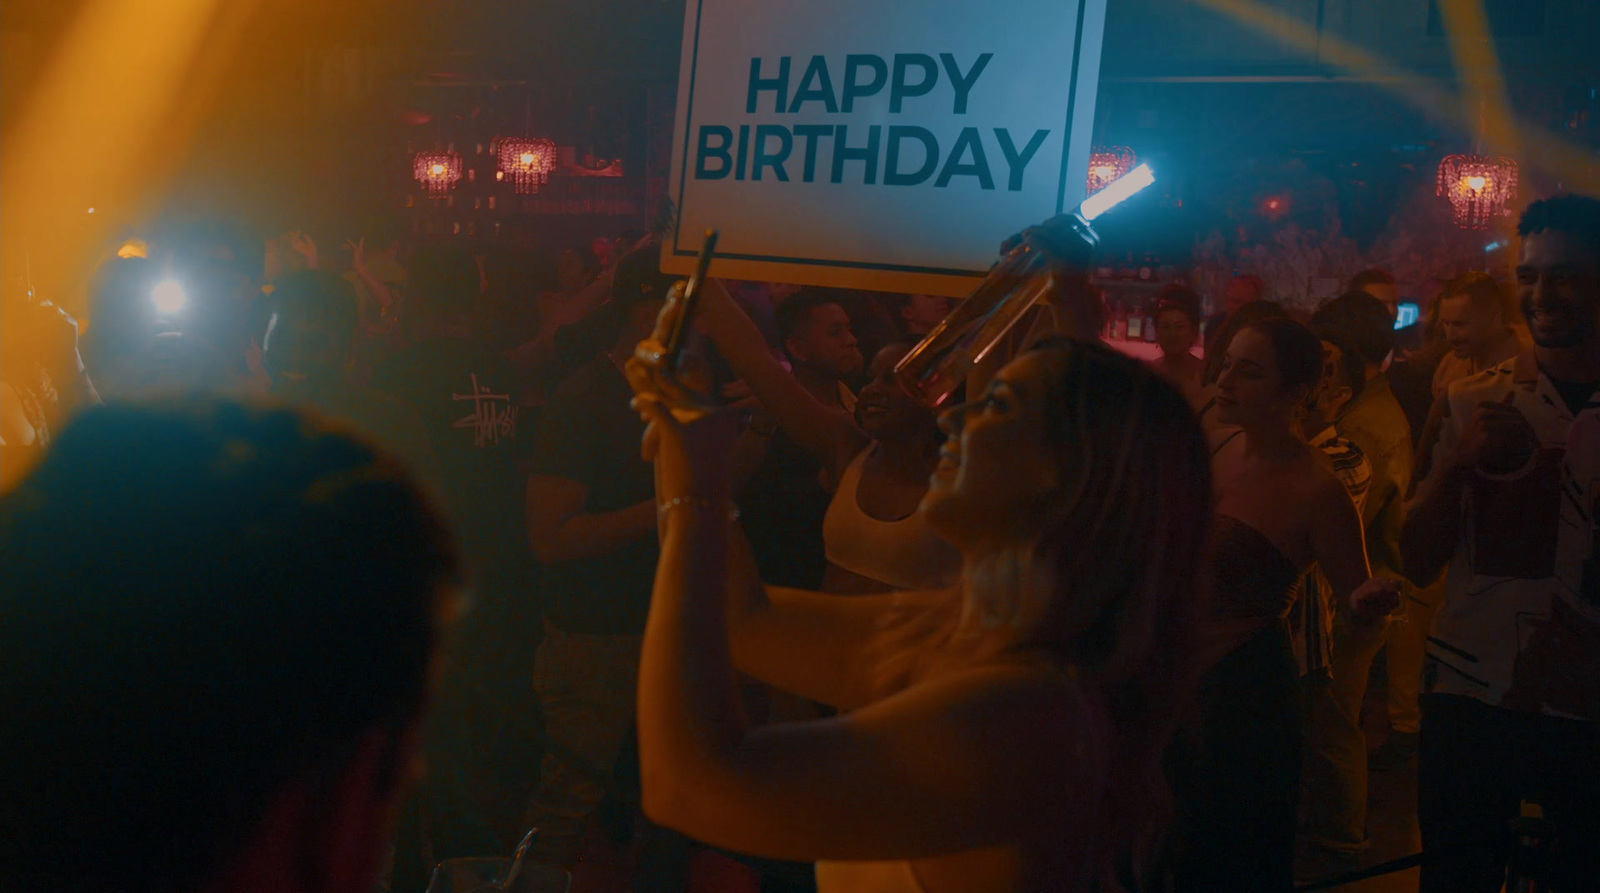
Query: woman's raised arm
x,y
976,759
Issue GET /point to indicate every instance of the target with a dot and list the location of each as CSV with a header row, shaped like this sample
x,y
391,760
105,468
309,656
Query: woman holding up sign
x,y
1004,734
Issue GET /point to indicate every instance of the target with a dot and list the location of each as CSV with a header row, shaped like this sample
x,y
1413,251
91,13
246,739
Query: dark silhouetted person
x,y
219,624
592,525
1177,330
312,320
1336,754
466,395
1409,383
785,499
1241,290
920,313
1380,284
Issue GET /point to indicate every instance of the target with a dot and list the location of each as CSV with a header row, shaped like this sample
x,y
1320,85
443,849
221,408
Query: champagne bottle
x,y
1055,254
935,368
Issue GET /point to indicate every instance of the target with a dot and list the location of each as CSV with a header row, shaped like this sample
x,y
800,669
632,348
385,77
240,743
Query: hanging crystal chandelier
x,y
437,171
1107,163
527,162
1478,187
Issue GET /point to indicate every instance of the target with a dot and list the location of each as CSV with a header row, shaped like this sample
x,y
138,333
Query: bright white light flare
x,y
169,296
1120,190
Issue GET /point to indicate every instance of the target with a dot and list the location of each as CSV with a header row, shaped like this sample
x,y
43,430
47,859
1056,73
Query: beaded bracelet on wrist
x,y
676,502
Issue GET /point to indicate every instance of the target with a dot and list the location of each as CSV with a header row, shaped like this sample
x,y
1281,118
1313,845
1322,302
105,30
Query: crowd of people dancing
x,y
321,568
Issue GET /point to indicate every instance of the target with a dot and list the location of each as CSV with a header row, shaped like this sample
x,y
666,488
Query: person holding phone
x,y
1002,733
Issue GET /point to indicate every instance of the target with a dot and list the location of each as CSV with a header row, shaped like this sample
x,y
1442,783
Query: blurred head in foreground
x,y
220,623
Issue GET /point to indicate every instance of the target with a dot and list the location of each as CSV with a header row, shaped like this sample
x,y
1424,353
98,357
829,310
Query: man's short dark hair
x,y
205,603
1358,320
1578,215
794,314
1372,276
1352,367
1182,298
442,279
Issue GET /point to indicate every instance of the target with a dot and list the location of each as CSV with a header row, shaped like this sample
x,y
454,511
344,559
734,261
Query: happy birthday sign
x,y
888,144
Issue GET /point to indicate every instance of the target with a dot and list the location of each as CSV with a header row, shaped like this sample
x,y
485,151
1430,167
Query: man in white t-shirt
x,y
1511,504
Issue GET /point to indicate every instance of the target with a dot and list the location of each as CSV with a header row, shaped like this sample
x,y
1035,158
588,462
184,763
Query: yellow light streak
x,y
133,74
1541,148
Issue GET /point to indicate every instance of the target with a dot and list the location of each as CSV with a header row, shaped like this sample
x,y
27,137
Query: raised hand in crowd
x,y
376,286
304,246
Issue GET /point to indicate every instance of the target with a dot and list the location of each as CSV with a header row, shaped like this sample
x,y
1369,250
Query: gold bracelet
x,y
695,502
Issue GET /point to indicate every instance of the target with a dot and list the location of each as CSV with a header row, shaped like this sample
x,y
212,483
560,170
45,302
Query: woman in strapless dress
x,y
1236,765
1004,734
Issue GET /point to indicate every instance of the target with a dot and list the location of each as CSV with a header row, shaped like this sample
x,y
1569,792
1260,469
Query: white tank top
x,y
867,877
904,554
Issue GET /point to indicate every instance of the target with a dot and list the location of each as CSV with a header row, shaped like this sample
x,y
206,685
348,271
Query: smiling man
x,y
1480,322
1511,504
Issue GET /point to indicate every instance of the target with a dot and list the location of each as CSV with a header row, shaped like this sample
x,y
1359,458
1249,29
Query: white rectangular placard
x,y
878,144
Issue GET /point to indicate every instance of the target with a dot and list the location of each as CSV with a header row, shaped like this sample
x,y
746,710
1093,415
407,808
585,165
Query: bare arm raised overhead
x,y
1012,755
827,433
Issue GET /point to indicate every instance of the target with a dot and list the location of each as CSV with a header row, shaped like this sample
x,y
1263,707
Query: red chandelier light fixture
x,y
437,171
1107,163
1478,187
527,162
